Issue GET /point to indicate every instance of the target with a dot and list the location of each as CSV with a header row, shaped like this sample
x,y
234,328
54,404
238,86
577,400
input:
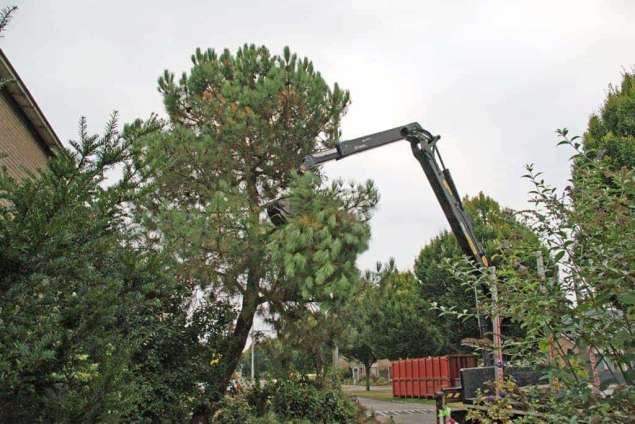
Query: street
x,y
401,412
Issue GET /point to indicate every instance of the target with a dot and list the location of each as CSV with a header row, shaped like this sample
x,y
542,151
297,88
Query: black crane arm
x,y
350,147
424,148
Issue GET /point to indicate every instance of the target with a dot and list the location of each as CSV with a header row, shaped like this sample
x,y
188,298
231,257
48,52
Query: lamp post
x,y
253,360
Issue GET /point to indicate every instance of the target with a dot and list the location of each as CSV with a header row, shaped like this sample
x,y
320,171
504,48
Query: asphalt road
x,y
401,413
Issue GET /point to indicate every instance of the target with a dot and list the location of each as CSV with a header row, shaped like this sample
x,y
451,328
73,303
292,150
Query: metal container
x,y
423,377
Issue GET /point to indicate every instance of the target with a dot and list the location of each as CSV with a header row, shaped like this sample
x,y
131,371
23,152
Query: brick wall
x,y
19,147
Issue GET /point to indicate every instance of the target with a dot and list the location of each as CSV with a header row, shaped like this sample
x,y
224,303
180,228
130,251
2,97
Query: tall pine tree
x,y
239,125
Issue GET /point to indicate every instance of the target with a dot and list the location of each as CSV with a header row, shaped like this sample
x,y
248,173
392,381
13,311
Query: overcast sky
x,y
494,78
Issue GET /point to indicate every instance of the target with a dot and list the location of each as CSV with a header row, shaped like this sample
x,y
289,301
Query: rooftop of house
x,y
16,88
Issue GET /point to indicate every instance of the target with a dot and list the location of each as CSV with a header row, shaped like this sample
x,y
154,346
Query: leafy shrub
x,y
234,410
578,321
501,409
288,401
295,399
93,326
379,380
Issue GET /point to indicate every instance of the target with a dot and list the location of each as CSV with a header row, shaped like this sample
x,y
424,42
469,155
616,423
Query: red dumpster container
x,y
423,377
398,384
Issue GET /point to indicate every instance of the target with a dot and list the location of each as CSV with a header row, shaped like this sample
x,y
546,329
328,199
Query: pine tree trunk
x,y
236,346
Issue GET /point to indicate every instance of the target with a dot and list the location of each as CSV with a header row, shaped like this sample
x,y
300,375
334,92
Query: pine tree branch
x,y
6,14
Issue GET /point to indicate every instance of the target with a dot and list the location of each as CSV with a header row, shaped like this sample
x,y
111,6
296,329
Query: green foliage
x,y
94,325
239,126
305,340
288,354
389,319
587,310
591,229
234,410
288,400
611,133
302,399
178,369
312,254
500,409
68,278
403,323
505,240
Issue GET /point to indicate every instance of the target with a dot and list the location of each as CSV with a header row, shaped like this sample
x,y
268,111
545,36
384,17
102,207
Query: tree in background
x,y
410,328
389,319
239,125
360,345
500,232
611,133
301,348
309,335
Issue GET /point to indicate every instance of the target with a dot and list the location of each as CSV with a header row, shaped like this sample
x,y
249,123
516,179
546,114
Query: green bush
x,y
93,323
234,410
288,401
303,399
379,380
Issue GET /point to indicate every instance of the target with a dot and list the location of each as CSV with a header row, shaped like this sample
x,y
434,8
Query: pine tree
x,y
239,125
6,14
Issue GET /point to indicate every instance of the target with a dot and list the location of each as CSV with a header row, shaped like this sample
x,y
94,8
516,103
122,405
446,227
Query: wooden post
x,y
542,274
496,324
253,361
336,357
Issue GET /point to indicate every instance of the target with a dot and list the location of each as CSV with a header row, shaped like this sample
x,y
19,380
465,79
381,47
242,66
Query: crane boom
x,y
424,149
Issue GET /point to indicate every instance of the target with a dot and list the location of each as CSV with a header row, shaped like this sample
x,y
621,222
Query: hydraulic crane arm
x,y
424,148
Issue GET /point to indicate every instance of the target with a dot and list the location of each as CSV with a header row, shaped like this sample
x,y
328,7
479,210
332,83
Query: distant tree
x,y
500,232
239,125
309,335
410,328
360,345
279,358
391,320
611,133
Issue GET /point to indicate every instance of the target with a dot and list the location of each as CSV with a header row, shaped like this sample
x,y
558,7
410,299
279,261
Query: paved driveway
x,y
401,412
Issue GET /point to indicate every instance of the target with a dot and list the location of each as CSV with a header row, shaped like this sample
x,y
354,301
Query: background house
x,y
381,368
27,140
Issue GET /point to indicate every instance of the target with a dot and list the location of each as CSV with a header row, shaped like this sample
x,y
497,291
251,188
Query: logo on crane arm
x,y
362,144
